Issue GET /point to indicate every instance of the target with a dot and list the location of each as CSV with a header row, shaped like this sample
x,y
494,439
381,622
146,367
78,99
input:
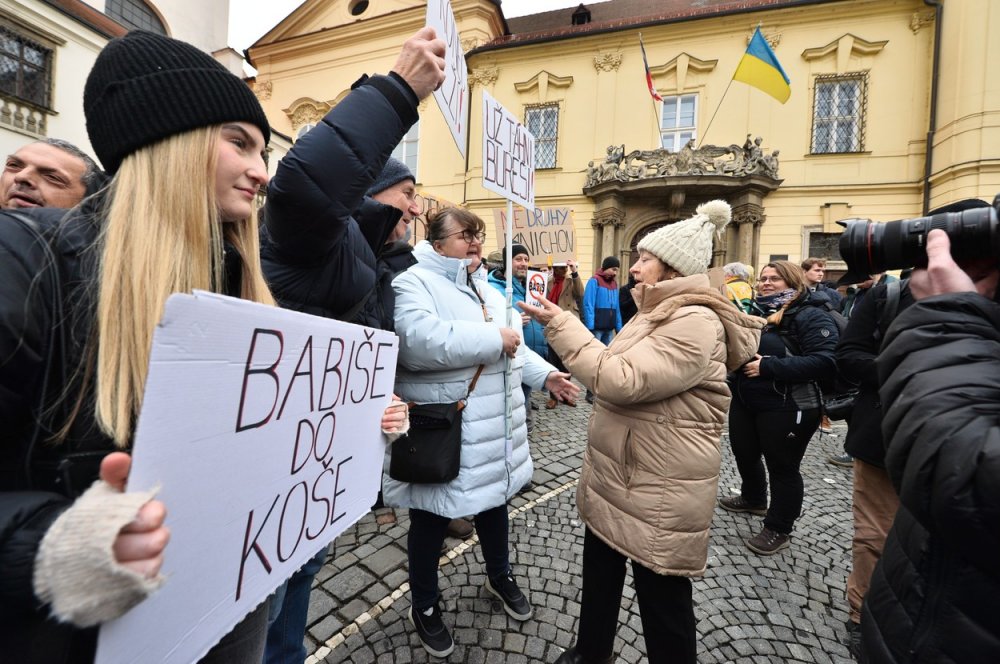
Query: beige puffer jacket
x,y
651,467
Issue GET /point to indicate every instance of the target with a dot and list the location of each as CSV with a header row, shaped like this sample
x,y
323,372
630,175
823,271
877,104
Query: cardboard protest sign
x,y
544,231
261,428
428,203
508,155
453,95
534,291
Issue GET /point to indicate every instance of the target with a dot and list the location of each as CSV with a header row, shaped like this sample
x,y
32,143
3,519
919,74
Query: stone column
x,y
747,218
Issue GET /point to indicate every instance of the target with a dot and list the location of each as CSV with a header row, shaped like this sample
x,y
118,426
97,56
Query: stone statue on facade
x,y
733,161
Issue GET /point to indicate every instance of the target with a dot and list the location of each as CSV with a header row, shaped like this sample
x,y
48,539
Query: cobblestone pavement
x,y
790,607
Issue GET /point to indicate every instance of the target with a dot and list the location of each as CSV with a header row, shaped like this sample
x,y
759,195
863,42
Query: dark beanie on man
x,y
146,87
394,172
518,249
610,261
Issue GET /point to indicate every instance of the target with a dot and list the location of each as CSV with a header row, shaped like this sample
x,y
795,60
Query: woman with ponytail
x,y
776,402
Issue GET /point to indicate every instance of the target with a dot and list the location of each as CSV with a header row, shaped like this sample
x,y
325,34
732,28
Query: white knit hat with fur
x,y
686,245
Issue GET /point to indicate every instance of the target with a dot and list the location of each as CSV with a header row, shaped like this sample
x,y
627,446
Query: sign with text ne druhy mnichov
x,y
261,428
508,155
453,95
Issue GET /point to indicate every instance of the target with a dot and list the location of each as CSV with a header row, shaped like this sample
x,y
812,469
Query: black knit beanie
x,y
610,261
146,87
518,249
394,171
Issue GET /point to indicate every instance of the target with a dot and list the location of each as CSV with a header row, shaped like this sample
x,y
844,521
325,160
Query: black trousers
x,y
665,607
777,439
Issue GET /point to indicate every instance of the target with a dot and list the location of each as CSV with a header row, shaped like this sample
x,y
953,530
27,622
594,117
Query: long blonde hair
x,y
162,234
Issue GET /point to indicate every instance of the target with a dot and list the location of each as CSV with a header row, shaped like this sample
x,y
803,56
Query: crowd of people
x,y
669,361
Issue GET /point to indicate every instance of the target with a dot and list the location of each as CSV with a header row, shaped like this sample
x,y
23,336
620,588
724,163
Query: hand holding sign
x,y
543,315
139,546
421,62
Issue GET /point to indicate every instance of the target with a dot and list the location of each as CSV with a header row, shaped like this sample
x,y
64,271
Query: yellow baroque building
x,y
894,110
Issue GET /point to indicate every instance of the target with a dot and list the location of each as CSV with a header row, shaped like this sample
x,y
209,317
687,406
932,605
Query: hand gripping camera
x,y
871,248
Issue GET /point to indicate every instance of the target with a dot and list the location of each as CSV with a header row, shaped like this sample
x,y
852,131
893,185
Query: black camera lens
x,y
871,248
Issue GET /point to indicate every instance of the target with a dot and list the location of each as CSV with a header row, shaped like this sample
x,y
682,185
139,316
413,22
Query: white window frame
x,y
674,135
408,149
540,110
825,128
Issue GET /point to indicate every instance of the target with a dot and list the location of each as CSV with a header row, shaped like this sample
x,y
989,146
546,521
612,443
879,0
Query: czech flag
x,y
649,77
761,69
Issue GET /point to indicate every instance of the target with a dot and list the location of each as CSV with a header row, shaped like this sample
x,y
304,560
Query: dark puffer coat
x,y
316,256
935,594
856,354
797,355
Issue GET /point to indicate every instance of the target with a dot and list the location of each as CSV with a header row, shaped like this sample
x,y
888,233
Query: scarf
x,y
557,288
771,303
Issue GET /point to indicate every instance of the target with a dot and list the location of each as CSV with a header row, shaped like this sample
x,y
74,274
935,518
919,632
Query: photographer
x,y
935,594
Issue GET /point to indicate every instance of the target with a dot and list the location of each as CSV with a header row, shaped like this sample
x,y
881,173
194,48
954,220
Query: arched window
x,y
135,15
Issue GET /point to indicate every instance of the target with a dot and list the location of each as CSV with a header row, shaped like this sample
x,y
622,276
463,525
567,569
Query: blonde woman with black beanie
x,y
182,142
651,467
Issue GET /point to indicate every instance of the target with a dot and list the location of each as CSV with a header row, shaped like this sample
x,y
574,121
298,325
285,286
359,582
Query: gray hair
x,y
736,270
92,175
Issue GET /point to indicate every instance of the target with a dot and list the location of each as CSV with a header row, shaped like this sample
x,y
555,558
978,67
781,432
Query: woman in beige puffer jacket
x,y
651,467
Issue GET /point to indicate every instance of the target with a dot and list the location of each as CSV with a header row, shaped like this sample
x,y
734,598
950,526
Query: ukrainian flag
x,y
761,69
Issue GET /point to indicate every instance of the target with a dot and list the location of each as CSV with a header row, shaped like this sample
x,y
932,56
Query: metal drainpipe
x,y
932,124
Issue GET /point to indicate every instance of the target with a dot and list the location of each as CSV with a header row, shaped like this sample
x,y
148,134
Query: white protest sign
x,y
261,426
534,290
453,95
508,155
545,232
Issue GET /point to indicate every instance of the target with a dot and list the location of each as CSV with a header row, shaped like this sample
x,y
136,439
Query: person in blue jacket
x,y
601,304
534,335
601,312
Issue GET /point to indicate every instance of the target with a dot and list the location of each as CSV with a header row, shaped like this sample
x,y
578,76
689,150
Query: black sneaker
x,y
514,602
432,632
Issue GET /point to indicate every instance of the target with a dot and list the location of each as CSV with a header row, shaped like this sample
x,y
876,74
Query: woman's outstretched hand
x,y
542,314
558,383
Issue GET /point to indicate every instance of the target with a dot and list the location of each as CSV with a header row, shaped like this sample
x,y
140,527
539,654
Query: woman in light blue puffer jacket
x,y
449,321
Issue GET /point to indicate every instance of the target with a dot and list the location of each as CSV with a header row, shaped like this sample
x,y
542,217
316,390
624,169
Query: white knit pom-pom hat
x,y
686,245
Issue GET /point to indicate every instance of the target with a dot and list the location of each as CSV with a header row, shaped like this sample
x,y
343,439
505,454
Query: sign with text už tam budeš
x,y
543,231
453,95
508,155
261,427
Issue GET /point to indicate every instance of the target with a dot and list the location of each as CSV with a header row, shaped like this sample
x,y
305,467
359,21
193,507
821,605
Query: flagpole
x,y
709,126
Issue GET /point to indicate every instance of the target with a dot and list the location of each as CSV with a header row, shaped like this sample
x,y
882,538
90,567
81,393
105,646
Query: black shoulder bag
x,y
430,452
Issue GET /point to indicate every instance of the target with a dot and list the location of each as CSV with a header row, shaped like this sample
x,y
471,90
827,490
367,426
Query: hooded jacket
x,y
651,466
935,594
600,302
443,338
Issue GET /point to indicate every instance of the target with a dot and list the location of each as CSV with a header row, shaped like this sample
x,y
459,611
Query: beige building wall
x,y
309,61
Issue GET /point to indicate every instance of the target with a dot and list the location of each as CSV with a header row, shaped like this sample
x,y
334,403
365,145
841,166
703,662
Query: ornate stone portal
x,y
636,192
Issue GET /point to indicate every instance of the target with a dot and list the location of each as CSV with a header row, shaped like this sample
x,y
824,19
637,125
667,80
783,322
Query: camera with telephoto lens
x,y
872,248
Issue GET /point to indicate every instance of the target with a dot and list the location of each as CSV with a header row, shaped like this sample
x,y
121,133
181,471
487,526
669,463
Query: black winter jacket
x,y
856,355
935,594
39,480
796,355
316,256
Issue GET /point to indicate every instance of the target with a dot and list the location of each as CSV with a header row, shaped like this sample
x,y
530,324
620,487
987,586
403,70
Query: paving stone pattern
x,y
790,607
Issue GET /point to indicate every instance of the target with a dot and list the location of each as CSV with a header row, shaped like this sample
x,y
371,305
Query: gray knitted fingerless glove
x,y
75,569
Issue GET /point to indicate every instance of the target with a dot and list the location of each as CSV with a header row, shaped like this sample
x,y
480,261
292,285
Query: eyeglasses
x,y
764,280
468,236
